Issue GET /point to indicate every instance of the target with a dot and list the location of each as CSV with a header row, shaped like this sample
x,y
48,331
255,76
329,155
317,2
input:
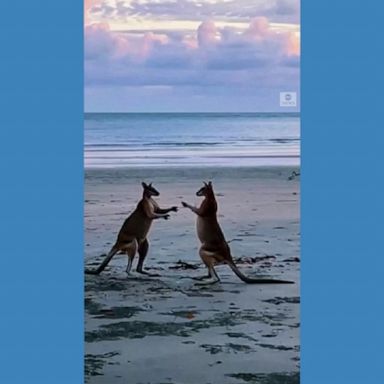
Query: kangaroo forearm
x,y
163,210
155,216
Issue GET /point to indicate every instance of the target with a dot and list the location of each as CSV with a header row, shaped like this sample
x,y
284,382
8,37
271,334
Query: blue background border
x,y
342,192
41,171
41,168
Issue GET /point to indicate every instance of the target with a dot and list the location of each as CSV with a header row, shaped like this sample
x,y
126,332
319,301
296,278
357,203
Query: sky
x,y
190,55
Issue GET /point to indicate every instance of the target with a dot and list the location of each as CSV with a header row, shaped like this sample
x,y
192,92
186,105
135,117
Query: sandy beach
x,y
142,330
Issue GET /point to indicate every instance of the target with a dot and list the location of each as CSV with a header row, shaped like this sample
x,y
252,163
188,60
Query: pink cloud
x,y
207,33
87,6
101,42
259,54
258,28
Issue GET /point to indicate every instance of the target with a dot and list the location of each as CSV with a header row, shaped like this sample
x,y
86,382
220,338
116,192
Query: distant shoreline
x,y
190,167
261,114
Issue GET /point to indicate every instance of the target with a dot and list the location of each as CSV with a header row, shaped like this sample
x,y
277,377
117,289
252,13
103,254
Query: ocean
x,y
114,140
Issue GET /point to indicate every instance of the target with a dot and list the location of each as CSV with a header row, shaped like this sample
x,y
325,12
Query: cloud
x,y
88,5
213,56
205,65
286,11
207,33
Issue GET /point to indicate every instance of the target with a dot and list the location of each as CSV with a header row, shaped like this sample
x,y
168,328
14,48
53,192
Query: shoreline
x,y
296,163
192,168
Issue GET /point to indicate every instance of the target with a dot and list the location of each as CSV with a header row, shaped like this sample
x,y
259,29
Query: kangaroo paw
x,y
148,274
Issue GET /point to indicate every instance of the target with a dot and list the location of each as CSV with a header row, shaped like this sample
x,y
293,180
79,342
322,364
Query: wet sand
x,y
168,330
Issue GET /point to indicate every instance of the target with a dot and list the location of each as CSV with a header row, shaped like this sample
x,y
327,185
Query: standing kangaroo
x,y
214,248
133,234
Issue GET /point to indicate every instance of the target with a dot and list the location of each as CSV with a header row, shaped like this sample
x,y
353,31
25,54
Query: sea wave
x,y
113,140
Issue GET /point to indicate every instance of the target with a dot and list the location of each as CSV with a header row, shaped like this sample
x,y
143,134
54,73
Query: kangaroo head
x,y
205,190
149,190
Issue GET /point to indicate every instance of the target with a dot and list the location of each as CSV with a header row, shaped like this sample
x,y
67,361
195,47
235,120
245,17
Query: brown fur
x,y
132,237
214,248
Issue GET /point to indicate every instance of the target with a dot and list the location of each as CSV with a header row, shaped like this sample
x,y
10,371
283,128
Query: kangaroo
x,y
214,248
132,237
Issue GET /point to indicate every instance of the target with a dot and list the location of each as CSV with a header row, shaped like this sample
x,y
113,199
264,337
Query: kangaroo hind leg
x,y
209,260
205,277
130,249
199,278
143,251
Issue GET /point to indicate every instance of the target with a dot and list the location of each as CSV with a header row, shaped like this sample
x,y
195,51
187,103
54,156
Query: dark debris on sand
x,y
183,265
253,260
271,378
292,260
94,363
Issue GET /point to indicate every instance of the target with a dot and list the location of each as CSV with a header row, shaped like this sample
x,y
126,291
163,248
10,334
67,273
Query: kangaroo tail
x,y
249,280
106,261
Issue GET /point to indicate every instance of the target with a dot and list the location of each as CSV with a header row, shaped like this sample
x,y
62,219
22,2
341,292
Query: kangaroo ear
x,y
205,184
150,184
210,183
144,185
